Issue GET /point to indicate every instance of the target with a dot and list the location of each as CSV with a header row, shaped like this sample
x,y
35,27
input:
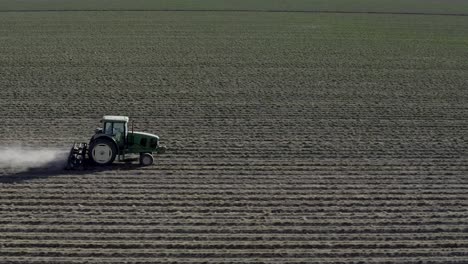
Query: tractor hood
x,y
144,134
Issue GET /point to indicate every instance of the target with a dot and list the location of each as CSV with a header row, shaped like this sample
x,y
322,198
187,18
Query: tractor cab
x,y
117,128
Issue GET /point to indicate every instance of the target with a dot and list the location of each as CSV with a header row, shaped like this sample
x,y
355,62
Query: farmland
x,y
458,7
293,137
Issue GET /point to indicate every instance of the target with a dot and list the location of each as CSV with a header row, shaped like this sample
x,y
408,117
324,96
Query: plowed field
x,y
293,137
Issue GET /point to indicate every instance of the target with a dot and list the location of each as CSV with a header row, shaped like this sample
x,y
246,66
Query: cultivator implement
x,y
77,156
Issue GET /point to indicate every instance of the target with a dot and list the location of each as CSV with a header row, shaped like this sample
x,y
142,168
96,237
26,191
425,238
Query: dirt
x,y
339,143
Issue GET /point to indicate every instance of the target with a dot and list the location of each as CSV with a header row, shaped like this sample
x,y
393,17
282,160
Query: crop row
x,y
292,138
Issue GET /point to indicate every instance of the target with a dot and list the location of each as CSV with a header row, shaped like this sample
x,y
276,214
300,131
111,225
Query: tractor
x,y
112,141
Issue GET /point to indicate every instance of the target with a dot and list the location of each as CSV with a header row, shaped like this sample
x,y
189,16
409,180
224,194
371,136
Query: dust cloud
x,y
19,159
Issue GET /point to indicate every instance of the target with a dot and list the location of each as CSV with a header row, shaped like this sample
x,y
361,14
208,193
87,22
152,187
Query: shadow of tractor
x,y
50,170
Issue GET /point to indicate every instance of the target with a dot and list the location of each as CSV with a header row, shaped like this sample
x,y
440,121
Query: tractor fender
x,y
104,136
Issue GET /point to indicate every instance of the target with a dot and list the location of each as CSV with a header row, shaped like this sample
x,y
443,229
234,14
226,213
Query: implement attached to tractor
x,y
114,140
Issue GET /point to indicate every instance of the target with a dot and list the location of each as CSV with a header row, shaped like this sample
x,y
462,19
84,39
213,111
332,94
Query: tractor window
x,y
108,128
118,128
118,132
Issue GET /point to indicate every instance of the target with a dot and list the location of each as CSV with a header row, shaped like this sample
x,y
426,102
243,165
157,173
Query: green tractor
x,y
112,141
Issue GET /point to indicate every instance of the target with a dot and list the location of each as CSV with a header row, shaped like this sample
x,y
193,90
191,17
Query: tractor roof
x,y
114,118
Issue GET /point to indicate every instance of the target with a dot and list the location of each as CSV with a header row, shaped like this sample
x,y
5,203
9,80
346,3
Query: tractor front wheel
x,y
103,152
146,159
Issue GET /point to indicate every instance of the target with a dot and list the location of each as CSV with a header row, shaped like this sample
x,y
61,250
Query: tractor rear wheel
x,y
102,151
146,159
